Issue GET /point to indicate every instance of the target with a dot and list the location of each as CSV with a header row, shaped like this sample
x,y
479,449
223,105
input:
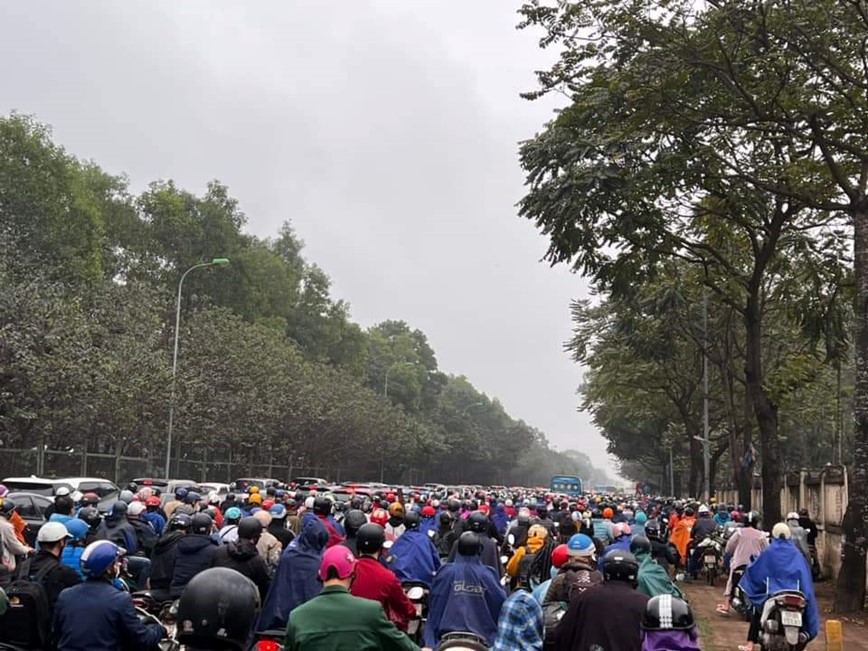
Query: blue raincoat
x,y
782,567
500,519
297,578
429,524
622,544
465,596
416,559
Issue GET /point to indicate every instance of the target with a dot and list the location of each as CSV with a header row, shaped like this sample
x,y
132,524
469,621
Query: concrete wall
x,y
824,493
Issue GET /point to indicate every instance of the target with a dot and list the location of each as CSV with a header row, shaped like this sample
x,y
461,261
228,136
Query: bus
x,y
567,485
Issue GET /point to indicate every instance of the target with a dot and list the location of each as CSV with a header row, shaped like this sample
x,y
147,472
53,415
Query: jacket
x,y
702,529
57,580
500,519
465,596
653,580
146,537
574,577
782,567
622,544
375,582
296,580
269,549
336,531
670,641
195,552
96,616
415,558
163,560
606,618
71,557
242,556
157,521
745,545
117,529
520,625
10,547
680,536
335,620
278,529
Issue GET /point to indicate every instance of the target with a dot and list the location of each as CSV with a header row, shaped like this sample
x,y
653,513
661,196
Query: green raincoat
x,y
654,580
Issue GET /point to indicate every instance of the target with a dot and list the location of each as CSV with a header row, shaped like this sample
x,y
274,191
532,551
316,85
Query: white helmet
x,y
792,515
782,530
703,508
51,532
308,502
62,491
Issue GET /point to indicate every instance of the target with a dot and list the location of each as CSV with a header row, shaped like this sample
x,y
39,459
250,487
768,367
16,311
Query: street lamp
x,y
216,262
386,395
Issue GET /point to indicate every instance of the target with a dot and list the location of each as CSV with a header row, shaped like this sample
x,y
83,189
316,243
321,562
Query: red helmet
x,y
153,500
267,504
428,512
560,555
380,517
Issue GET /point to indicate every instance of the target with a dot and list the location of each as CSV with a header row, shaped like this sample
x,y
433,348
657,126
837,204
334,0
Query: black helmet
x,y
249,529
370,538
322,505
667,613
640,544
356,503
620,566
354,520
454,505
201,523
477,522
469,544
412,520
218,610
90,515
688,512
180,522
447,519
751,519
133,487
652,529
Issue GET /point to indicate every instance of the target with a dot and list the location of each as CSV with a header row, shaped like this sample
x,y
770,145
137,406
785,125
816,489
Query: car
x,y
106,491
31,508
222,490
244,484
307,482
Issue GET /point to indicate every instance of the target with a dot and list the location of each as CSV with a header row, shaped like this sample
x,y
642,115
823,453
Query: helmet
x,y
180,493
396,510
782,530
90,516
118,508
667,613
78,529
524,515
620,566
63,491
608,513
6,507
250,528
291,503
640,545
454,505
803,513
267,504
153,500
99,556
354,520
135,509
703,510
428,512
192,498
736,516
581,545
560,555
125,496
233,514
447,519
133,487
218,610
641,518
90,499
337,563
622,529
201,523
469,544
380,517
253,490
254,498
3,490
180,522
477,522
412,520
278,511
792,515
76,496
264,517
52,532
322,505
370,538
688,512
751,519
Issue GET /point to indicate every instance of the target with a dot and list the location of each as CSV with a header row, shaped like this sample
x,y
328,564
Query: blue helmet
x,y
180,493
99,556
277,511
581,545
192,497
78,529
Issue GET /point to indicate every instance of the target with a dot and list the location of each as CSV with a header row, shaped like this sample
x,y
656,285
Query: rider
x,y
277,528
374,581
229,532
607,617
71,556
314,626
222,624
622,533
9,543
323,508
520,625
242,555
680,536
703,528
95,615
269,547
414,554
780,567
798,535
52,538
744,546
445,536
465,596
153,516
195,553
353,521
668,625
165,553
662,552
395,525
478,523
653,580
578,574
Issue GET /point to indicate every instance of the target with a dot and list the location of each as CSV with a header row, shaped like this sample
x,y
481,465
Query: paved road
x,y
721,633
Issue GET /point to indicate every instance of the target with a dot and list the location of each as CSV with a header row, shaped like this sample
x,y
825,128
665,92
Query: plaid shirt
x,y
520,626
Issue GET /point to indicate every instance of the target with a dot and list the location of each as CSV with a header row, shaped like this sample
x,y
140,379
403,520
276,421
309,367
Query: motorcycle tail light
x,y
794,601
267,645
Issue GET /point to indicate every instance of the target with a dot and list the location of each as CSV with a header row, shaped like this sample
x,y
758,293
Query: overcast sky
x,y
386,131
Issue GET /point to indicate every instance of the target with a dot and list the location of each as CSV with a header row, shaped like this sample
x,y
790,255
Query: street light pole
x,y
216,262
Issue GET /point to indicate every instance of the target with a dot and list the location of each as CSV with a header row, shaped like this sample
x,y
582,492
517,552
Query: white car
x,y
106,490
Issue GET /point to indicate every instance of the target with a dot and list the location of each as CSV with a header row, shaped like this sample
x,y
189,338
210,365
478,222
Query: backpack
x,y
27,622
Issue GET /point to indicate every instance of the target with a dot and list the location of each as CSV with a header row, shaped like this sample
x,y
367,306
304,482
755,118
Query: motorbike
x,y
737,598
269,640
462,641
781,622
163,609
710,551
146,618
417,593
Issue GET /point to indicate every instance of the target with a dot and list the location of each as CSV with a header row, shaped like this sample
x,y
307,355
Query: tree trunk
x,y
765,411
694,487
850,588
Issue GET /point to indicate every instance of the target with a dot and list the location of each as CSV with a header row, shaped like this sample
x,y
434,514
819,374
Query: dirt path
x,y
721,633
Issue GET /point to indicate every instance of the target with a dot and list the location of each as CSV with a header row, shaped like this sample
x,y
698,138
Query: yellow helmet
x,y
396,510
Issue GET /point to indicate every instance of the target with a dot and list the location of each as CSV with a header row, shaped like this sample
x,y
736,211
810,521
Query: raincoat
x,y
681,536
500,518
782,567
653,580
520,626
621,544
465,596
415,558
670,641
296,580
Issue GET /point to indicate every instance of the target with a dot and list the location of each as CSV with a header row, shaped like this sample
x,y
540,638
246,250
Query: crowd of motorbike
x,y
469,568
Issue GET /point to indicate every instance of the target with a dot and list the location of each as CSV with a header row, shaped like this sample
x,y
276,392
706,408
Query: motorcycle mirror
x,y
504,560
415,593
510,539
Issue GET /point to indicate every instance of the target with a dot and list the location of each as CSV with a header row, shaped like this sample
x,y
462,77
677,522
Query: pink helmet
x,y
623,529
341,560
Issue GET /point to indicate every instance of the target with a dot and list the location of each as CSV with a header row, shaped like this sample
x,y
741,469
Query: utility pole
x,y
706,444
671,474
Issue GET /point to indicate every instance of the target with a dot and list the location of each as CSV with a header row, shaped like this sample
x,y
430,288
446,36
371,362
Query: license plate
x,y
711,560
791,618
